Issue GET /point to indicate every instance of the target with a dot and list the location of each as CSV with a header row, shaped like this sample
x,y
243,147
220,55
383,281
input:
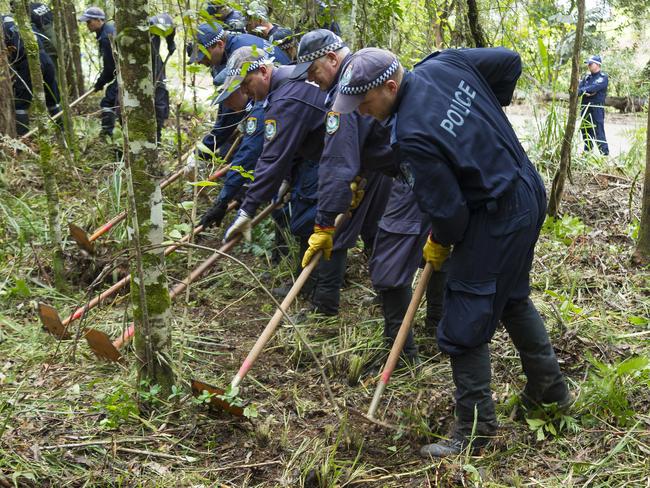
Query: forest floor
x,y
69,419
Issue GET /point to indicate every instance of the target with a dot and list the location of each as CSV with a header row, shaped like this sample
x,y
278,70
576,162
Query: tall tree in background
x,y
475,25
62,75
149,294
39,116
642,253
7,119
563,169
71,47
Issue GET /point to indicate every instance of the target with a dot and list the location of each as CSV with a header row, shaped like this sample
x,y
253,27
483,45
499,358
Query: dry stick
x,y
398,345
56,116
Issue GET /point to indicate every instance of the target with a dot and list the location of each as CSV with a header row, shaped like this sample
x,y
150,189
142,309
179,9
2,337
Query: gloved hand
x,y
215,214
190,164
322,239
357,192
98,87
241,225
435,253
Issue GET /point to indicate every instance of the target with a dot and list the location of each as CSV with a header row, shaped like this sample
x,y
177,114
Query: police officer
x,y
231,18
593,89
161,26
352,142
294,115
484,198
244,160
220,45
21,78
95,19
259,24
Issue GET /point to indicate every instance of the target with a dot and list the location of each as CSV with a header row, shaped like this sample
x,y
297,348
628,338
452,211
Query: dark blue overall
x,y
482,195
593,89
109,103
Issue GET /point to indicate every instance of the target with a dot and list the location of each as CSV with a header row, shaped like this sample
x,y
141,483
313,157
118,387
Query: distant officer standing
x,y
259,23
483,196
593,89
161,26
352,144
95,19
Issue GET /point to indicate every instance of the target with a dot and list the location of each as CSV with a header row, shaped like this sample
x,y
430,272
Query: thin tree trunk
x,y
475,25
73,50
40,117
565,152
62,74
7,115
641,255
149,293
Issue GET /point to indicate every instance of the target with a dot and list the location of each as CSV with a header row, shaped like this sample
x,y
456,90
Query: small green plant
x,y
549,420
118,408
610,387
565,229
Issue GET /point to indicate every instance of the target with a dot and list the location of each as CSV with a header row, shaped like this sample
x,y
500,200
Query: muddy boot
x,y
395,302
545,384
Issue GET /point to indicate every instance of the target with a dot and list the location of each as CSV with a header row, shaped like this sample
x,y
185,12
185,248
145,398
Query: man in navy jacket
x,y
593,89
484,199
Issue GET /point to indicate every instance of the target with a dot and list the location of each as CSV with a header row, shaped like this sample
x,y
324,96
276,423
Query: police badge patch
x,y
333,122
346,77
251,125
270,129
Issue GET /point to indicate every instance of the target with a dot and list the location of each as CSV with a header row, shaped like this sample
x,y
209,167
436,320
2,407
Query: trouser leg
x,y
309,286
327,293
545,383
472,373
601,140
395,302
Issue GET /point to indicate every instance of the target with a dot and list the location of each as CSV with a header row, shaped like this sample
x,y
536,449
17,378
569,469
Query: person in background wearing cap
x,y
351,142
593,89
294,126
233,19
95,19
161,26
484,198
250,148
259,24
220,44
21,78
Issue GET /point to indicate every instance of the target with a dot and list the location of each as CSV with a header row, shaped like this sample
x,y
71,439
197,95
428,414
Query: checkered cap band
x,y
358,90
252,67
307,58
214,40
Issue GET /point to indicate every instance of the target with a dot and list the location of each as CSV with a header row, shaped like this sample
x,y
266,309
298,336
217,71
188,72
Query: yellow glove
x,y
435,253
357,192
320,240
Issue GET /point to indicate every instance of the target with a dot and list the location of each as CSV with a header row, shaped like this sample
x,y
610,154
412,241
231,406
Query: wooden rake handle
x,y
398,345
276,320
56,116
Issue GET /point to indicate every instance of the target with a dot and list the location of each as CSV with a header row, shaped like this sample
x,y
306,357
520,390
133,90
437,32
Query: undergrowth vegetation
x,y
68,419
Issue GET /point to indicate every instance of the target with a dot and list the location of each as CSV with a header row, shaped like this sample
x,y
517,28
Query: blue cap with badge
x,y
207,35
312,46
594,59
367,69
243,61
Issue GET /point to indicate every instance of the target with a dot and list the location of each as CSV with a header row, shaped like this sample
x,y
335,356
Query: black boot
x,y
476,420
108,123
395,302
22,122
545,384
327,292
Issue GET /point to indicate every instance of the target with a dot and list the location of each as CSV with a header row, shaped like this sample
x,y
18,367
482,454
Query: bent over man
x,y
486,203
